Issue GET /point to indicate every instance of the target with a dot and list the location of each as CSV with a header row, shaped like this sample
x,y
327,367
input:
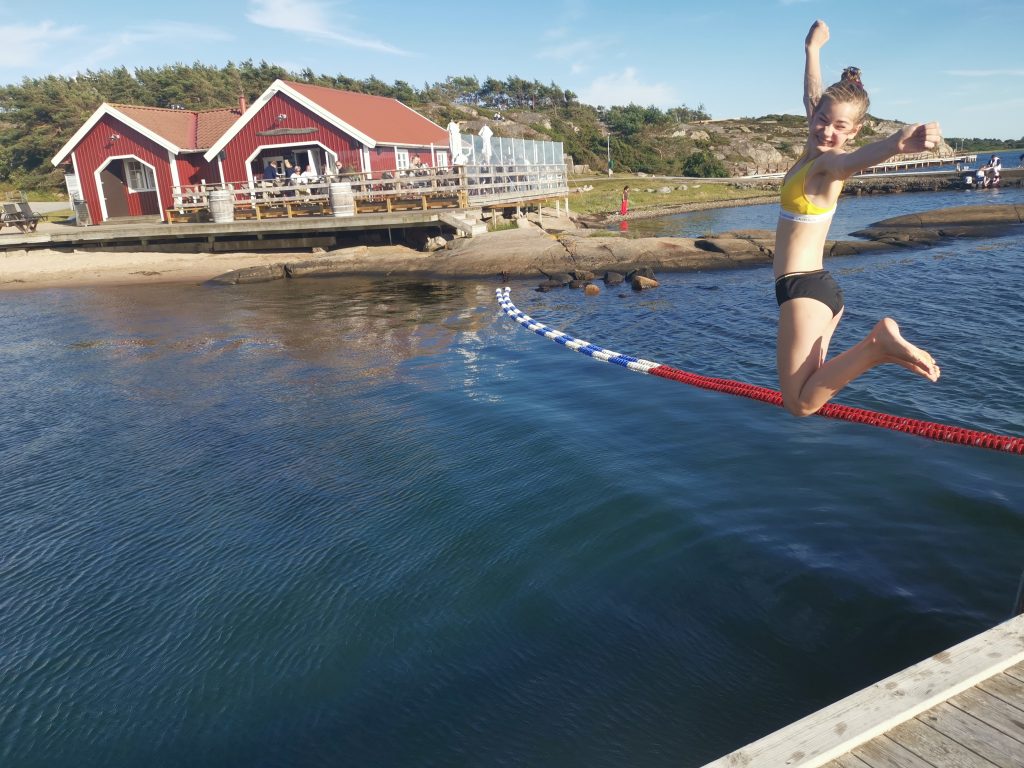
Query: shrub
x,y
703,164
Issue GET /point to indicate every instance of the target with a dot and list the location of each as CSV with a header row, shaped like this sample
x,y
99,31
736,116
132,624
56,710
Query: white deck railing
x,y
459,187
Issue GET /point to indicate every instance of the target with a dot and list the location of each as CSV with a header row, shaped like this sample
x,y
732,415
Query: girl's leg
x,y
805,330
807,382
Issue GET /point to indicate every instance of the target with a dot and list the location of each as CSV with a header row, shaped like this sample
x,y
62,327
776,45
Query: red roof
x,y
386,121
184,128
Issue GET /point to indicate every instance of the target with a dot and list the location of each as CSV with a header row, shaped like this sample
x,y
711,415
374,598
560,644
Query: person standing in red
x,y
624,208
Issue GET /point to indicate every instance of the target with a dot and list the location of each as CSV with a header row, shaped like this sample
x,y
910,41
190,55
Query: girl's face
x,y
833,125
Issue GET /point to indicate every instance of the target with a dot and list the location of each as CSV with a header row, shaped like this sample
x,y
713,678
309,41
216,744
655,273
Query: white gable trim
x,y
99,184
248,161
279,86
106,109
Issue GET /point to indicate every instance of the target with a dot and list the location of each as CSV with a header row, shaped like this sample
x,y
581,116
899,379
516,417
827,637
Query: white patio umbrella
x,y
455,143
485,135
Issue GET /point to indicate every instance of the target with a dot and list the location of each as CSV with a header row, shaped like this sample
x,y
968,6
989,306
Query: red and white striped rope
x,y
932,430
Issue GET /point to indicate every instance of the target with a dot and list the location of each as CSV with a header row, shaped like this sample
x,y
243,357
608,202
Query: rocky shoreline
x,y
563,247
531,252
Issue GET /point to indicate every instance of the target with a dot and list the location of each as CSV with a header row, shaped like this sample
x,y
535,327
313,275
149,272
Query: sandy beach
x,y
50,268
524,251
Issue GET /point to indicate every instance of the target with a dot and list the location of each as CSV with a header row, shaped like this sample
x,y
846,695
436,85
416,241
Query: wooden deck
x,y
909,163
962,708
461,187
280,233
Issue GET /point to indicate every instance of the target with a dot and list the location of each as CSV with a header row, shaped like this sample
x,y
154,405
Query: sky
x,y
955,62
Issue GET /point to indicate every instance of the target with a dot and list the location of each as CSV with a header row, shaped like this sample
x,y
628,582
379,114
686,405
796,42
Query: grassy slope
x,y
606,194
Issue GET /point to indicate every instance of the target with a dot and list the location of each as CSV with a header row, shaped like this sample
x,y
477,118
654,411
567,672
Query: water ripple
x,y
375,523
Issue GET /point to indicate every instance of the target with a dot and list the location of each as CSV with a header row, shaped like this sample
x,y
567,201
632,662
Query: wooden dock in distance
x,y
962,708
914,163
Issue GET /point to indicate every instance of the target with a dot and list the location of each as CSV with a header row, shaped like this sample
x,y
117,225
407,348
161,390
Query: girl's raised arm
x,y
920,137
816,37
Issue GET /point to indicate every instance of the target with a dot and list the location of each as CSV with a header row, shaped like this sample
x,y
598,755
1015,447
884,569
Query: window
x,y
441,159
402,159
140,177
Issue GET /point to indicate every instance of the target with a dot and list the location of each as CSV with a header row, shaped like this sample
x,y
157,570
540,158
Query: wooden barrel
x,y
342,202
222,207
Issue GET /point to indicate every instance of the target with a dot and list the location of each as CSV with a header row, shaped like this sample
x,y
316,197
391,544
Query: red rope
x,y
941,432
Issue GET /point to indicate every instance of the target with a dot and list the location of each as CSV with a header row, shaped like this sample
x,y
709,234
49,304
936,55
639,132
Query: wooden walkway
x,y
962,708
917,163
279,234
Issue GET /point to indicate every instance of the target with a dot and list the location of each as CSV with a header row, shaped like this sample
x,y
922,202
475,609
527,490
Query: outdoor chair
x,y
29,214
19,215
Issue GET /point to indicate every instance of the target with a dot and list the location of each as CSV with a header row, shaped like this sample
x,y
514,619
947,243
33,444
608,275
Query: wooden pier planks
x,y
983,727
959,708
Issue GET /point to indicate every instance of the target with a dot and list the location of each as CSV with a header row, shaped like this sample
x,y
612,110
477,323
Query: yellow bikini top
x,y
794,204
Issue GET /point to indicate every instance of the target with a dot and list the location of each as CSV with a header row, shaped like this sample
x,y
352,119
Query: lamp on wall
x,y
282,117
114,137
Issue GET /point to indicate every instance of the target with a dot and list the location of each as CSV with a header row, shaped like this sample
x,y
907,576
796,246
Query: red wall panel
x,y
315,130
108,139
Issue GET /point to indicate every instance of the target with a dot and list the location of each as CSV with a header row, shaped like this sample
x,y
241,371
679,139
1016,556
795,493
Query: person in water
x,y
810,301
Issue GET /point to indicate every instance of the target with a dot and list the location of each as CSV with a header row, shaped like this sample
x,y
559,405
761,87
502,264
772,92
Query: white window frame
x,y
441,158
401,159
139,176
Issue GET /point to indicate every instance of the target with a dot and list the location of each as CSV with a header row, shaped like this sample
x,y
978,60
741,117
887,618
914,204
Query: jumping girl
x,y
810,302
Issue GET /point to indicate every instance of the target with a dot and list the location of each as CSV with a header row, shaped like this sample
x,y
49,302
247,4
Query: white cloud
x,y
576,50
986,72
312,19
623,88
555,33
115,48
24,47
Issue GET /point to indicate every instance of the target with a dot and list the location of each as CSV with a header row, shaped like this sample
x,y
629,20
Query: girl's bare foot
x,y
895,349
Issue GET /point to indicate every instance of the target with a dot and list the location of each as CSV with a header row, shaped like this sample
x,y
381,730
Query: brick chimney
x,y
242,106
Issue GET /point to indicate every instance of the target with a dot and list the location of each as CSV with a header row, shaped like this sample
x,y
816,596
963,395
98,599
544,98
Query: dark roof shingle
x,y
186,129
385,120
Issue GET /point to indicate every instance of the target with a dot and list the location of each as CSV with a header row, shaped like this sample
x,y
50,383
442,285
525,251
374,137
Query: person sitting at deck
x,y
269,178
307,177
293,179
995,165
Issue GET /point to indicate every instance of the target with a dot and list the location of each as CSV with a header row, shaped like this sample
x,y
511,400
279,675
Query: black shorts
x,y
818,285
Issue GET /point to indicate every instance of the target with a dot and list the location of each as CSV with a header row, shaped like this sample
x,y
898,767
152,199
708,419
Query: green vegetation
x,y
501,225
644,193
976,145
39,115
703,164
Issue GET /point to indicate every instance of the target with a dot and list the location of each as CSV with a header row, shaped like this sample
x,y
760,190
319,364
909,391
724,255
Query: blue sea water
x,y
376,523
853,213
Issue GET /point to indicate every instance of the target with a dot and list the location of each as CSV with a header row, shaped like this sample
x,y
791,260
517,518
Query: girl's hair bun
x,y
852,75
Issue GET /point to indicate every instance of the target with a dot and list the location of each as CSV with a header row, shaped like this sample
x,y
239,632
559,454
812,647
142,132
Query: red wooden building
x,y
127,161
